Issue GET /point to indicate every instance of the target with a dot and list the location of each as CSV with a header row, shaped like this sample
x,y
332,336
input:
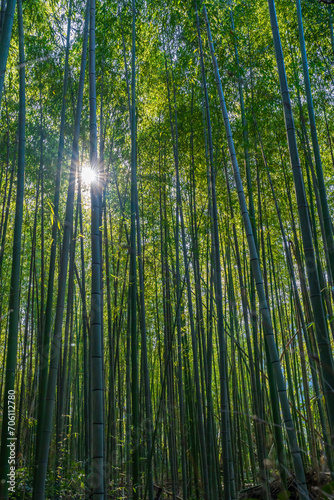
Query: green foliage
x,y
284,495
167,44
327,490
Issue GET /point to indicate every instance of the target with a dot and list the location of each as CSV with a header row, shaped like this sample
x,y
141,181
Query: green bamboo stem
x,y
7,436
326,357
96,348
6,35
47,317
267,325
42,457
315,143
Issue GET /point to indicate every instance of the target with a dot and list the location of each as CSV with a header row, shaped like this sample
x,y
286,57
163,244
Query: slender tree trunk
x,y
133,277
96,347
8,426
267,325
6,35
47,318
85,335
229,486
148,402
30,304
42,459
326,357
4,228
316,149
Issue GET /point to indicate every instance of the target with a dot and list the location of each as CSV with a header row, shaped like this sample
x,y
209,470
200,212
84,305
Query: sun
x,y
88,175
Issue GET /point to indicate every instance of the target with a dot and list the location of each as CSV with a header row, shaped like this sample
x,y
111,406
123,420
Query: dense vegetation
x,y
166,249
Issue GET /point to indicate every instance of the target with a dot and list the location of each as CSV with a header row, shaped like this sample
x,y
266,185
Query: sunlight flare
x,y
88,175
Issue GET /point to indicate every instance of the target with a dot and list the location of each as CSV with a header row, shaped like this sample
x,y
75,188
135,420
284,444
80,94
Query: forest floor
x,y
320,486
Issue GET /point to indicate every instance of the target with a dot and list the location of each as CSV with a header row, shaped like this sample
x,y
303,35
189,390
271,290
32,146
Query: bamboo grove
x,y
166,249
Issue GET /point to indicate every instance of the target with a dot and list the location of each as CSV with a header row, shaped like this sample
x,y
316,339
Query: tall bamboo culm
x,y
7,435
263,306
